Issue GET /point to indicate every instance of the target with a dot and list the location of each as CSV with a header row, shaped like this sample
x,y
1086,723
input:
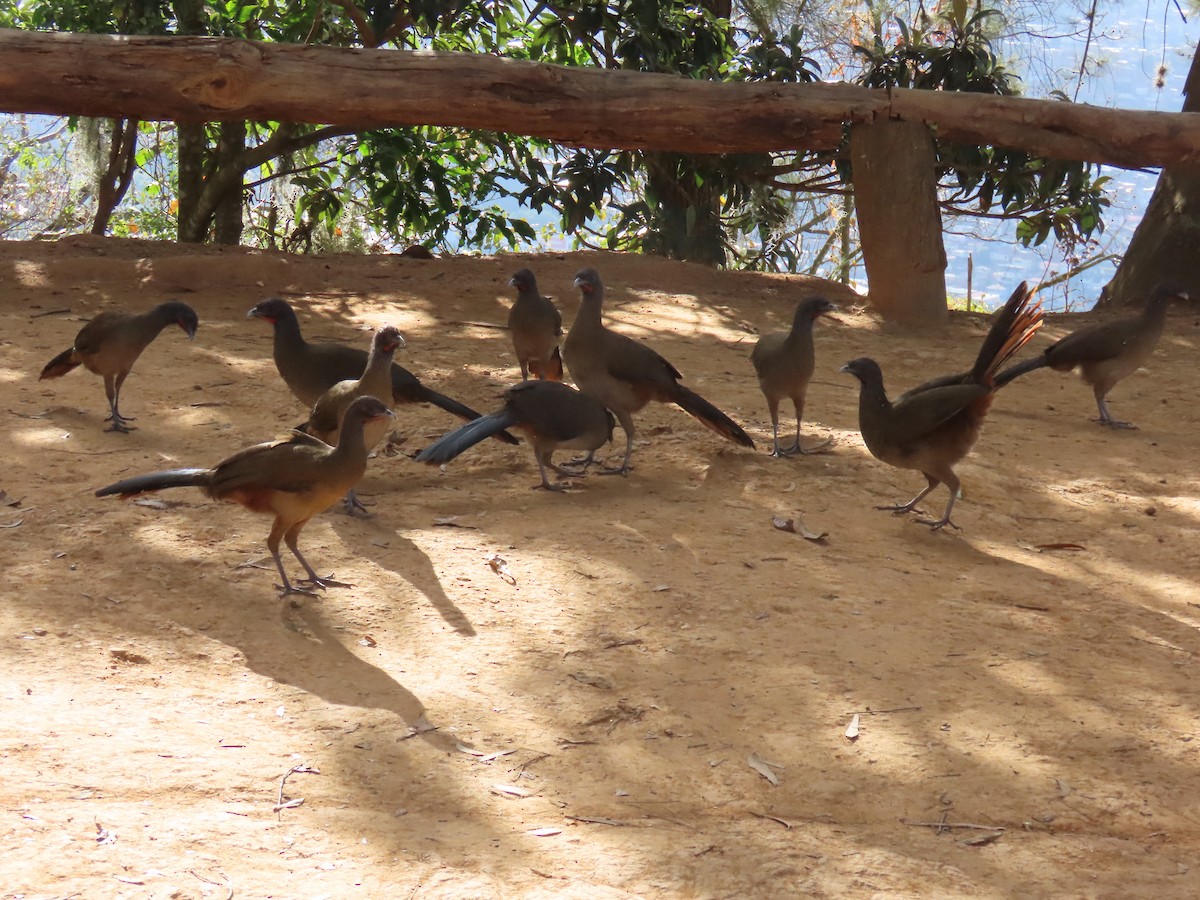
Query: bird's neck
x,y
351,445
155,320
802,329
377,376
872,398
589,311
287,333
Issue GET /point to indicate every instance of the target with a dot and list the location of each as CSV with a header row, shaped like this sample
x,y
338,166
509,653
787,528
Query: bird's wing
x,y
914,416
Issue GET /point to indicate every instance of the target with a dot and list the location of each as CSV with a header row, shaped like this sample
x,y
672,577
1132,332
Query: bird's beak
x,y
845,368
254,314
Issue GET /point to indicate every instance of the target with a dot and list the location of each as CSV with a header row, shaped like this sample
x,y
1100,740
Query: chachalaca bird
x,y
785,361
625,375
552,415
325,420
535,325
310,369
110,344
933,426
1106,352
292,478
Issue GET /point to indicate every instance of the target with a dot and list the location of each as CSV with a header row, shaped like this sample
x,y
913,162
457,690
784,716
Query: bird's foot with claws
x,y
899,509
615,470
288,589
119,426
323,583
1116,424
558,487
937,524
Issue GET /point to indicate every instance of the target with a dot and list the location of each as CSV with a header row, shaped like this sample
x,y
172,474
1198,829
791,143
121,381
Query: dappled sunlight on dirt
x,y
533,695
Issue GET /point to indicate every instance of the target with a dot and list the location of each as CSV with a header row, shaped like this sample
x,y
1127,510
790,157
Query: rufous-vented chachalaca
x,y
310,369
1106,352
110,344
625,375
785,362
933,426
292,478
535,326
552,416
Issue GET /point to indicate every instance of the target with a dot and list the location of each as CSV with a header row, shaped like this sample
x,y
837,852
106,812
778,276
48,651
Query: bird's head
x,y
523,281
388,339
273,310
864,369
588,281
814,307
368,409
184,316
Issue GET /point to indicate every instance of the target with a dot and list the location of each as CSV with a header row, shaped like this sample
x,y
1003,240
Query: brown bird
x,y
535,325
934,425
551,414
292,478
785,361
325,420
625,375
110,344
310,369
1106,352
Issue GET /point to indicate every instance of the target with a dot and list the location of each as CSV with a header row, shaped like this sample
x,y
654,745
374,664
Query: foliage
x,y
954,53
455,189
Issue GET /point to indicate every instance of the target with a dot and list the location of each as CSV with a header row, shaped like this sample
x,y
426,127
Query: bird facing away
x,y
110,344
785,361
1106,352
310,369
292,478
325,420
535,325
933,426
552,415
624,375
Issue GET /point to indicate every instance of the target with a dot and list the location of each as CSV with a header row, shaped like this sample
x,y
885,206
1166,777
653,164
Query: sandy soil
x,y
582,728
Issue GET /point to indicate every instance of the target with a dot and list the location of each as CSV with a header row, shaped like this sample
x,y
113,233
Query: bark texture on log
x,y
190,79
1166,243
899,221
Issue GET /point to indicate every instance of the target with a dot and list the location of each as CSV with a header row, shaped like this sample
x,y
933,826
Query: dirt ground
x,y
598,715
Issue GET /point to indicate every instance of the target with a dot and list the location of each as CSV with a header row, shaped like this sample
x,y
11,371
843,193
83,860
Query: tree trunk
x,y
191,227
192,146
228,215
687,219
1166,243
118,174
893,167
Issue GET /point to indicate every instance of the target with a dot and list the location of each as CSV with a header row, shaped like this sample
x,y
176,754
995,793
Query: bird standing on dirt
x,y
110,344
293,478
535,325
1106,352
325,420
785,362
551,414
933,426
624,375
310,369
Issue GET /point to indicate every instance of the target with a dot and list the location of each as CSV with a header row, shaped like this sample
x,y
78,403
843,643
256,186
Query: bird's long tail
x,y
157,481
1037,362
707,414
1013,327
441,401
60,365
451,445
